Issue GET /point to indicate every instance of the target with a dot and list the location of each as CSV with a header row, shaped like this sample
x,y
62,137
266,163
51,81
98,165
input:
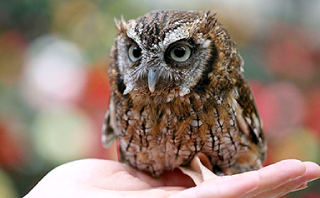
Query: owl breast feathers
x,y
177,90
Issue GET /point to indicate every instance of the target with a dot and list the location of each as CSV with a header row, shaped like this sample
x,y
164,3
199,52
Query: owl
x,y
178,90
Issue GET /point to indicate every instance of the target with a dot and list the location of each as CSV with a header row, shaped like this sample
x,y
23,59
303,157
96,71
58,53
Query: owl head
x,y
172,50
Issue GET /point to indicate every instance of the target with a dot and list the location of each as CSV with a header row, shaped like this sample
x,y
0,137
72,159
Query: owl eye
x,y
134,53
180,53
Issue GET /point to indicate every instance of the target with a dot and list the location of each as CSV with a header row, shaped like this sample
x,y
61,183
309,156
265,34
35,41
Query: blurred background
x,y
54,88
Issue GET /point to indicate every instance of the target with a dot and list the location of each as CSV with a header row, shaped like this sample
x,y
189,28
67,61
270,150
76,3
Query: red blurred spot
x,y
11,149
313,119
96,92
14,40
12,51
281,106
269,108
95,101
289,52
256,86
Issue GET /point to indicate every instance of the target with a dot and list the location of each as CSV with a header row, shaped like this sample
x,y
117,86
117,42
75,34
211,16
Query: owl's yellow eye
x,y
180,53
134,53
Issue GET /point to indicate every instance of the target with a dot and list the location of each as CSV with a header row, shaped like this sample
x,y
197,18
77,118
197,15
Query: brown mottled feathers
x,y
178,89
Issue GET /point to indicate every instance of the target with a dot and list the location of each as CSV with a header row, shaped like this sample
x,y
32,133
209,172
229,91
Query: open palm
x,y
105,178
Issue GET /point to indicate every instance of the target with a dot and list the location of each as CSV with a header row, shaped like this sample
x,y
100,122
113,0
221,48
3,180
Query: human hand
x,y
105,178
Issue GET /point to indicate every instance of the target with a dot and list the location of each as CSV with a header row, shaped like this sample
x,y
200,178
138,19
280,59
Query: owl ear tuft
x,y
120,25
209,21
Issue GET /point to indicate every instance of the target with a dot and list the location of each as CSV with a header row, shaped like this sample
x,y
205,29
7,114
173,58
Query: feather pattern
x,y
201,104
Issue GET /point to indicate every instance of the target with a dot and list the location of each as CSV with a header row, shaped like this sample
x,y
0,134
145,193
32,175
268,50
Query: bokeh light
x,y
54,72
62,135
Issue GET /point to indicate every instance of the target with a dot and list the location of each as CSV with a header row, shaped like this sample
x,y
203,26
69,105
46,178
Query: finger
x,y
66,190
223,187
277,174
281,190
312,172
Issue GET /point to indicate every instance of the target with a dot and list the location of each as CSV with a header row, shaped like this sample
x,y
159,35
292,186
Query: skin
x,y
105,178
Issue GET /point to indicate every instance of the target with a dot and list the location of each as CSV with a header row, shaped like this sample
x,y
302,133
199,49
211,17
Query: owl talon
x,y
197,171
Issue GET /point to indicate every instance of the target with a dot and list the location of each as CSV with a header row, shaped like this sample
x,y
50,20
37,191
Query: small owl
x,y
178,89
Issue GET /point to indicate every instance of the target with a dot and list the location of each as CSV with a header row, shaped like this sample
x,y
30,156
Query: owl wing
x,y
108,130
248,118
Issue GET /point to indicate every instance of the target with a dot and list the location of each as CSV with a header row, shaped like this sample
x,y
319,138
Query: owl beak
x,y
153,77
